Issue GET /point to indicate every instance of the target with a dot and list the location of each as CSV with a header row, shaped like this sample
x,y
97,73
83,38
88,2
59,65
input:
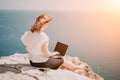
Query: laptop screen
x,y
61,48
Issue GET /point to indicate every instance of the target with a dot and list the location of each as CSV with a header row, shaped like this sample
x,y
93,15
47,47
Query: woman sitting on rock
x,y
36,43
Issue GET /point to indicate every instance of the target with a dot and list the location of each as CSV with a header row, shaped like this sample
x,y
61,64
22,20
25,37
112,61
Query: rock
x,y
17,67
12,76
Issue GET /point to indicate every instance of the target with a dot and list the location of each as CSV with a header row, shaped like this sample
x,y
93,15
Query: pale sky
x,y
61,4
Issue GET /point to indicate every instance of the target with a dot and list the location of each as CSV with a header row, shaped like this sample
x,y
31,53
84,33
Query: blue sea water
x,y
12,26
14,23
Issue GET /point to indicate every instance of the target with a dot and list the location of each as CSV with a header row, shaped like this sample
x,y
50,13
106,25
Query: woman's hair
x,y
40,21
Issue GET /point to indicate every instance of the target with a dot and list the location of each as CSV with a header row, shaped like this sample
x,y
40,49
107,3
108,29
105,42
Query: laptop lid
x,y
61,48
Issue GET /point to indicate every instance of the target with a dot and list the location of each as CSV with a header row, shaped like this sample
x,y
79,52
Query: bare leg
x,y
70,65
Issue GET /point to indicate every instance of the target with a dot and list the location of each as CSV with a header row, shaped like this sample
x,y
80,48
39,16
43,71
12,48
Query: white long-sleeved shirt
x,y
33,43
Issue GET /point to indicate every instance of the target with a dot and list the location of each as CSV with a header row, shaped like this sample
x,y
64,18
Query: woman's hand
x,y
54,53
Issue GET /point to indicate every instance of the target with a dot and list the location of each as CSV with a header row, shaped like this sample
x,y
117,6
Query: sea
x,y
80,30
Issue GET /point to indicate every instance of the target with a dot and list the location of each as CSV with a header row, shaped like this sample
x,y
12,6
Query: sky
x,y
61,4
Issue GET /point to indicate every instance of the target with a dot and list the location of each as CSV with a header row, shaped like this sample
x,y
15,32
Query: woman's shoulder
x,y
27,33
43,34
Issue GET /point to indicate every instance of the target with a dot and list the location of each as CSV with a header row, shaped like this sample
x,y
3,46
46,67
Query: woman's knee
x,y
55,63
62,60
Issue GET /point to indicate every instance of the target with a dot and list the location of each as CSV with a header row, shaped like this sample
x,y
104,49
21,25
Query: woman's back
x,y
33,43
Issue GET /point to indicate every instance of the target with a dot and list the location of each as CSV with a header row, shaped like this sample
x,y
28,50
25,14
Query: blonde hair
x,y
40,21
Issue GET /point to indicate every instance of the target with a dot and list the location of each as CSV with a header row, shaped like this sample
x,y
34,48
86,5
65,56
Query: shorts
x,y
52,63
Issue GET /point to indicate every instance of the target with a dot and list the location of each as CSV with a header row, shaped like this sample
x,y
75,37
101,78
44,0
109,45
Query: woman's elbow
x,y
46,53
45,50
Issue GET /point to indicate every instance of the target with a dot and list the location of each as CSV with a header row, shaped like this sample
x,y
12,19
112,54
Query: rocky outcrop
x,y
16,67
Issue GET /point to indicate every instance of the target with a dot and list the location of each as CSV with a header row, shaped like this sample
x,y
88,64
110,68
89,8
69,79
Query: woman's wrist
x,y
54,54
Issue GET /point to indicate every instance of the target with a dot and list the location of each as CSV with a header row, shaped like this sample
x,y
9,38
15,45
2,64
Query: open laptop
x,y
61,48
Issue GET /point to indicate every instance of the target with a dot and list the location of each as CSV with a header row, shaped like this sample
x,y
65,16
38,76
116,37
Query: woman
x,y
36,43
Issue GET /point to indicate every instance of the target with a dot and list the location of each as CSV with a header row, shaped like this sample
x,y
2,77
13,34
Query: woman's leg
x,y
41,65
54,63
70,65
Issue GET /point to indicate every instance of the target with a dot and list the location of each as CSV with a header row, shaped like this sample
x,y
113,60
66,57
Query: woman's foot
x,y
82,72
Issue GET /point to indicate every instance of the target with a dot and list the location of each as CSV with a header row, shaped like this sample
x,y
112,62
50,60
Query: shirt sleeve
x,y
44,38
23,38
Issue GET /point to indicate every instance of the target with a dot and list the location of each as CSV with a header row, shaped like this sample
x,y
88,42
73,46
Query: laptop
x,y
61,48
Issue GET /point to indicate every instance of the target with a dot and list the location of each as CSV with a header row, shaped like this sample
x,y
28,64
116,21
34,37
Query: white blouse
x,y
33,43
